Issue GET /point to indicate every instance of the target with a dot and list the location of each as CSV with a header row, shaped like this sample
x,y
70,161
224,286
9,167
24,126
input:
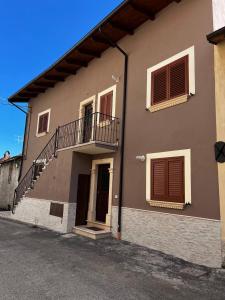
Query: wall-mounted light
x,y
140,158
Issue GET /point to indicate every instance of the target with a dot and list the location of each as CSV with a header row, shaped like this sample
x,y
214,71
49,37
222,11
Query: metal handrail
x,y
28,179
96,127
93,127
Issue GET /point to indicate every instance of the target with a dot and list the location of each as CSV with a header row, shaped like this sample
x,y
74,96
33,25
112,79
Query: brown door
x,y
102,192
87,125
82,199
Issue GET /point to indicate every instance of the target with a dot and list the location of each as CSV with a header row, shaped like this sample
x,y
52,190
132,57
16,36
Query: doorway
x,y
102,193
101,187
82,199
87,123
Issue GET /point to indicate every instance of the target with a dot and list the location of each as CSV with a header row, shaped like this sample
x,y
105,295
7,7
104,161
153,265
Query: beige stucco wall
x,y
220,122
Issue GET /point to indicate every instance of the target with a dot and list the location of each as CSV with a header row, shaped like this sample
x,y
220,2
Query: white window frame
x,y
39,115
191,70
83,103
186,153
108,90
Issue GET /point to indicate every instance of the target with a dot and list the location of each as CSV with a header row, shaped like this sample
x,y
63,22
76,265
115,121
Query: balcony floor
x,y
93,148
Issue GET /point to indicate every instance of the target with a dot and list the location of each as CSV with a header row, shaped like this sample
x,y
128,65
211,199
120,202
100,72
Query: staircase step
x,y
90,233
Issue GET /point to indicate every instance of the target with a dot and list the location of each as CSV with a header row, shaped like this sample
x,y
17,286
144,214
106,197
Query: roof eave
x,y
217,36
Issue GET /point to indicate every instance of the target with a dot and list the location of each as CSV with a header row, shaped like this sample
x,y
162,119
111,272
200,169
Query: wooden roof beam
x,y
35,90
74,61
27,94
65,70
44,84
100,40
18,97
54,78
90,53
121,27
143,11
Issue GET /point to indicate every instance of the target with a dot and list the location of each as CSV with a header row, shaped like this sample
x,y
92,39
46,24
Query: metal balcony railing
x,y
96,127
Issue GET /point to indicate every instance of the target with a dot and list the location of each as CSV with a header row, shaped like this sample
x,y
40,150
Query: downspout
x,y
24,136
123,123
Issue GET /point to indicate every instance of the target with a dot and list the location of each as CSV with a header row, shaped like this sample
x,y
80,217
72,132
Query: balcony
x,y
95,133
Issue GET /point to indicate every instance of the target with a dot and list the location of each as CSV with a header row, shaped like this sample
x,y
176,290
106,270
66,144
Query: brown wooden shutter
x,y
160,85
167,179
178,78
108,111
40,124
158,176
106,106
43,123
103,101
170,81
176,179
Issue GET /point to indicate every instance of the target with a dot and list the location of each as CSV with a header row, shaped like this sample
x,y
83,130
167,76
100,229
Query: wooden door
x,y
87,125
82,199
102,197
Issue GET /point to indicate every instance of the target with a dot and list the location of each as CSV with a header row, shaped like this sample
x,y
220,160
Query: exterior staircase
x,y
102,131
35,171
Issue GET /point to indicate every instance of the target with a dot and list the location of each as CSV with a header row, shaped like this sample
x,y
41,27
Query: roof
x,y
17,157
120,22
217,36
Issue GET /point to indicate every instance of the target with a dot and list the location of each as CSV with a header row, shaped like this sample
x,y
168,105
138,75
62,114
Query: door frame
x,y
84,103
78,197
93,192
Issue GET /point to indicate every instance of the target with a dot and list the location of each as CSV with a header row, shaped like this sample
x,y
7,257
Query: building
x,y
9,174
121,132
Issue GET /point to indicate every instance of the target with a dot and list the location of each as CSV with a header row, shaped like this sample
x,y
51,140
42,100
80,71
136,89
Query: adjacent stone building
x,y
9,173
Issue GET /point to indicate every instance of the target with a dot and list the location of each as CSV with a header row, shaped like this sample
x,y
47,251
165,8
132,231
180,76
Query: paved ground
x,y
39,264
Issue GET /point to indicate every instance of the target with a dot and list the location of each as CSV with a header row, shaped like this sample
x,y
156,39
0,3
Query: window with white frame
x,y
106,104
43,122
171,81
168,179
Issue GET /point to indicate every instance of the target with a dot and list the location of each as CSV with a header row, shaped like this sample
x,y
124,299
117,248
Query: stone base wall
x,y
193,239
36,211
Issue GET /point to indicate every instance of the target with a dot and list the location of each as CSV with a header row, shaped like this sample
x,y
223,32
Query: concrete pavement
x,y
40,264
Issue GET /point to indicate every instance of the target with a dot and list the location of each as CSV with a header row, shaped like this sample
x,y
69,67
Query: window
x,y
171,81
43,123
168,179
106,104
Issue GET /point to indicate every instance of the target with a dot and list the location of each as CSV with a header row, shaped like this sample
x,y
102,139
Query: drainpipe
x,y
24,136
115,45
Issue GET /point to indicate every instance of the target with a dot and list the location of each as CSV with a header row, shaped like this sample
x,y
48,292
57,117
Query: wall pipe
x,y
24,136
123,123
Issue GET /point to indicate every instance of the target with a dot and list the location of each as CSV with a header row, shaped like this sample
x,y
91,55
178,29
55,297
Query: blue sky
x,y
34,34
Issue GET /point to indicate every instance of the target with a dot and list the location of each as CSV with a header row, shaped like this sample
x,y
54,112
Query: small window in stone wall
x,y
56,209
